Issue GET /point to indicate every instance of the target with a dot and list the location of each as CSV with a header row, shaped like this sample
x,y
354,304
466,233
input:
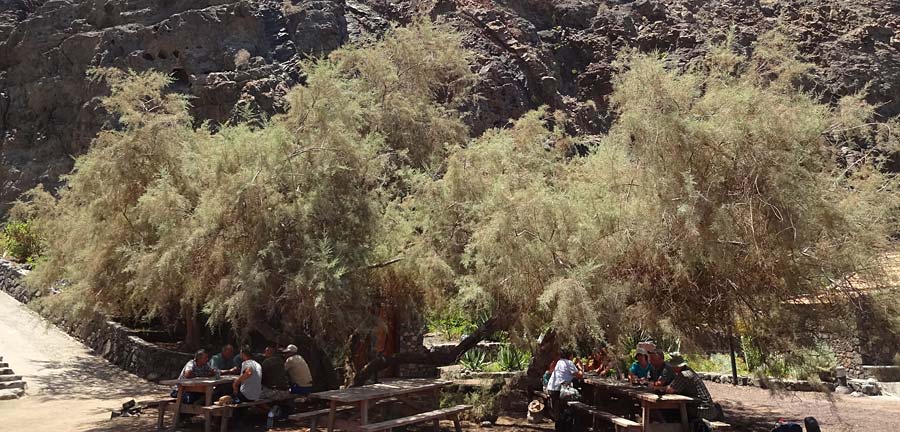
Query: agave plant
x,y
474,360
510,359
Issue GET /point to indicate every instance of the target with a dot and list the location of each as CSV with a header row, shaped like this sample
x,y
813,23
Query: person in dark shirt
x,y
661,373
688,383
273,373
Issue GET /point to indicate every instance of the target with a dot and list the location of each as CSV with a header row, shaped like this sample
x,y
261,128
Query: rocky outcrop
x,y
529,53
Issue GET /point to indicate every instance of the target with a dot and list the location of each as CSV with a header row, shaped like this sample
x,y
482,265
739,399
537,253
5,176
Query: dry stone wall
x,y
111,340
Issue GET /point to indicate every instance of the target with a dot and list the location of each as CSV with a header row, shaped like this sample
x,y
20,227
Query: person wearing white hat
x,y
298,371
640,369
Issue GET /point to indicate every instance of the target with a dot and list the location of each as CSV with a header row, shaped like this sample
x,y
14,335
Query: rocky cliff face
x,y
226,53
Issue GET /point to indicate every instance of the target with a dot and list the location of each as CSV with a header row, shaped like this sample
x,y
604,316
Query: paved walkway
x,y
69,389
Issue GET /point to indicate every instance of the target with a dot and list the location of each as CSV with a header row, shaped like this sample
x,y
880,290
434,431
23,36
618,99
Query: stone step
x,y
11,394
7,378
12,385
3,365
6,371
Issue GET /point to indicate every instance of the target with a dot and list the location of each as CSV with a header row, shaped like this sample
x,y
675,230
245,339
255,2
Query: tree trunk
x,y
442,358
547,350
192,328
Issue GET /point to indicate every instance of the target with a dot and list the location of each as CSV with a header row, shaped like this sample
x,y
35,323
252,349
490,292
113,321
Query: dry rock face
x,y
530,53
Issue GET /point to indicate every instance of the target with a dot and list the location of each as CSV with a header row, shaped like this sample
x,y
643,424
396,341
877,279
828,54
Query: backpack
x,y
786,426
811,424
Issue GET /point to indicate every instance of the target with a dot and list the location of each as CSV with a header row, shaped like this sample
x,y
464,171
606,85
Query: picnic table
x,y
363,397
196,385
648,400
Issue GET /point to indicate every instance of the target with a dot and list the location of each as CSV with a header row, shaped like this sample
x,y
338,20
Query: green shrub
x,y
474,360
452,323
716,363
511,359
484,403
20,241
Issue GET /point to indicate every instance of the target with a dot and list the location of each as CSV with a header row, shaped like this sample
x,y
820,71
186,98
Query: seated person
x,y
661,373
639,371
198,367
688,383
274,375
248,386
274,378
549,370
226,361
298,372
600,362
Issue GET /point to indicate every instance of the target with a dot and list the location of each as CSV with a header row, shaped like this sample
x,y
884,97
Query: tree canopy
x,y
718,196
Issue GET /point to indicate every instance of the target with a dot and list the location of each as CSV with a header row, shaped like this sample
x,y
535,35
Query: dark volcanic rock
x,y
529,53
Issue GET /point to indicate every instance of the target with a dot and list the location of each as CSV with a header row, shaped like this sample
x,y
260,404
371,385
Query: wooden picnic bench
x,y
648,400
621,424
435,417
364,397
207,410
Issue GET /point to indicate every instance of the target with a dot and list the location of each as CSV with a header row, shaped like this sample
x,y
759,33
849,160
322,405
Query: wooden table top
x,y
382,390
636,392
201,382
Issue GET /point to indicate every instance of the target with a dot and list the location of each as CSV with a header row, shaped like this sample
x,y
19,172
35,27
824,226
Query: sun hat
x,y
641,350
677,360
291,349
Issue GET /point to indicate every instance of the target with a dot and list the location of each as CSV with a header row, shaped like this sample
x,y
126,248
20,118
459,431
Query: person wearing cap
x,y
661,373
298,372
640,368
688,383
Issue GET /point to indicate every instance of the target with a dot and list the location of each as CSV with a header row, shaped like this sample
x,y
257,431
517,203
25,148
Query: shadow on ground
x,y
87,378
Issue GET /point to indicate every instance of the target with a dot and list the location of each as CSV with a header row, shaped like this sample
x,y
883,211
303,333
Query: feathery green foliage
x,y
273,224
718,197
20,241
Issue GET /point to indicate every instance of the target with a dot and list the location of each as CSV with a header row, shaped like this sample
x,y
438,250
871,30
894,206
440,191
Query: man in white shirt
x,y
565,372
248,386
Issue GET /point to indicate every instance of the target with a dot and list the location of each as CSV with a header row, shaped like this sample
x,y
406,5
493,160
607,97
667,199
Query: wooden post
x,y
331,415
734,378
178,406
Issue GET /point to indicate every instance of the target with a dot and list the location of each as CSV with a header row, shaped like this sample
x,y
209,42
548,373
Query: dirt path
x,y
68,388
753,409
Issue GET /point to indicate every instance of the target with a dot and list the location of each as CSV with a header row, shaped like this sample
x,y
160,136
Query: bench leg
x,y
331,415
313,424
178,407
161,416
223,427
456,424
437,425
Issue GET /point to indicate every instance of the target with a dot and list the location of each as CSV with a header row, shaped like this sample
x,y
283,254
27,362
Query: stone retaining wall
x,y
868,387
11,275
111,340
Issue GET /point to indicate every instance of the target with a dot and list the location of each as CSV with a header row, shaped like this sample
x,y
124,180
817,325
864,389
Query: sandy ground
x,y
68,388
